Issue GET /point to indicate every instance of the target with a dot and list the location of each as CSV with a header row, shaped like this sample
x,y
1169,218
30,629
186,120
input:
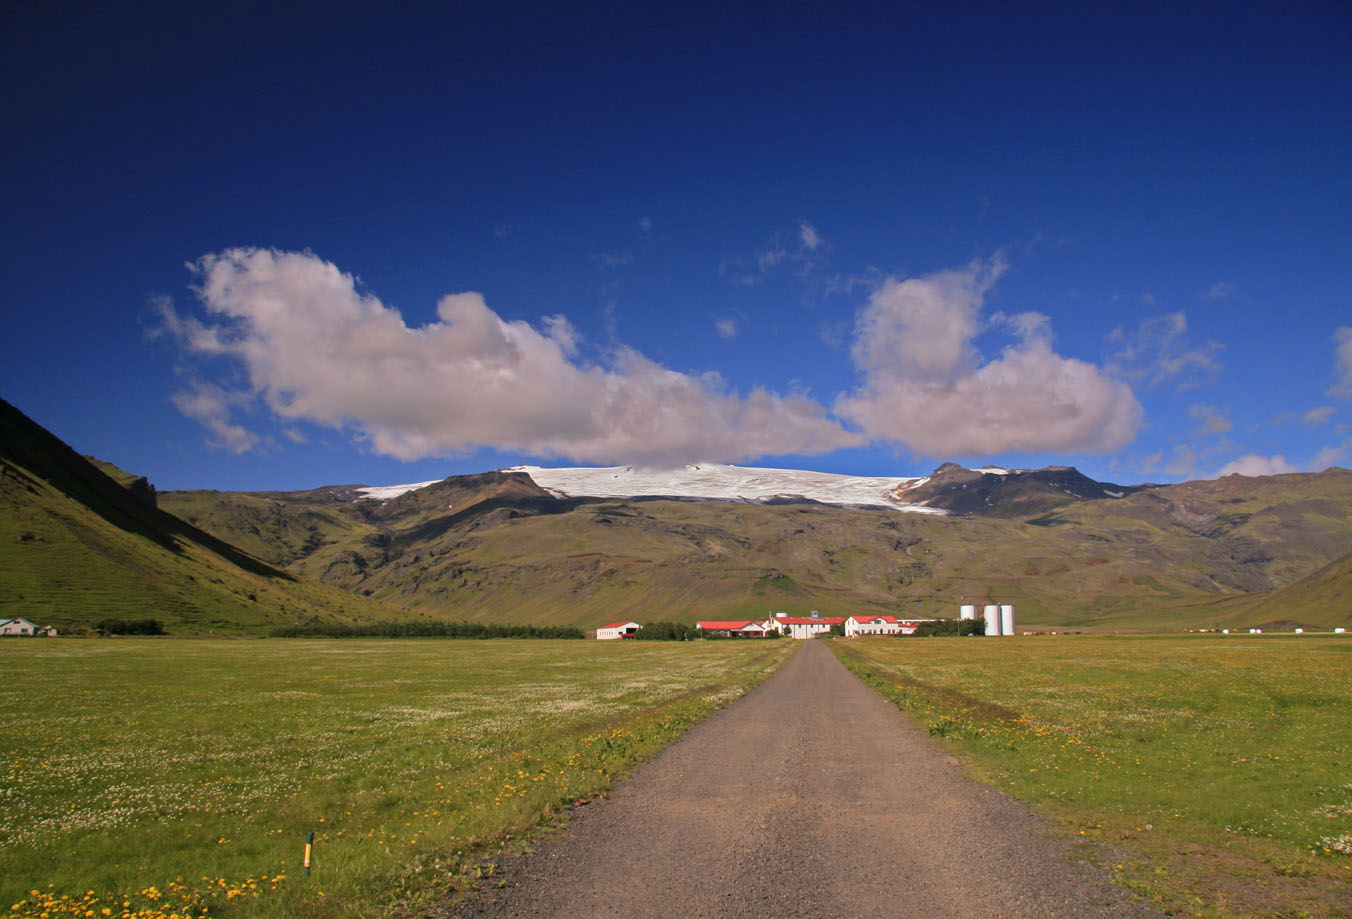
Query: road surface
x,y
810,797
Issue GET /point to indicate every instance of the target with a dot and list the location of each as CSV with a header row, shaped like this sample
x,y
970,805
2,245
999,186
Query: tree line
x,y
426,629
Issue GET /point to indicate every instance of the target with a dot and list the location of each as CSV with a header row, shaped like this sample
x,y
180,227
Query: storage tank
x,y
992,615
967,611
1007,620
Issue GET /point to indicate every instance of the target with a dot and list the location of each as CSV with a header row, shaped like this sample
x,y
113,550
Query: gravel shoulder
x,y
810,797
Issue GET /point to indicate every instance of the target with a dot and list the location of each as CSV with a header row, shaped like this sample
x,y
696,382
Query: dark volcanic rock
x,y
1008,493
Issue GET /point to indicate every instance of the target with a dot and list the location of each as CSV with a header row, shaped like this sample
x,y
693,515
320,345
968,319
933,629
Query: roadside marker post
x,y
309,846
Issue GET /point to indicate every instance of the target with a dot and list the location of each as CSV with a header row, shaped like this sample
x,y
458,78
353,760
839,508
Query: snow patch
x,y
386,492
720,482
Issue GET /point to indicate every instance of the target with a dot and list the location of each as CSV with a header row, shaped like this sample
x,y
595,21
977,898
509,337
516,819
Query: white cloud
x,y
1343,339
644,224
809,237
1218,291
770,258
211,407
1212,419
1183,463
613,259
799,252
1159,350
1254,465
1317,416
925,385
726,328
1330,456
315,348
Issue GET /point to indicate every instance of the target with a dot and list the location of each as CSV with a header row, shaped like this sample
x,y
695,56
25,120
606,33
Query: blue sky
x,y
251,248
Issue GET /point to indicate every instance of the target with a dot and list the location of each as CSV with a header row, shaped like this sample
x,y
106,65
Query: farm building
x,y
614,630
803,626
881,625
732,628
872,625
22,626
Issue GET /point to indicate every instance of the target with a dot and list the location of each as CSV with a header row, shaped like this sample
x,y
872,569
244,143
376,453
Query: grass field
x,y
1217,771
159,777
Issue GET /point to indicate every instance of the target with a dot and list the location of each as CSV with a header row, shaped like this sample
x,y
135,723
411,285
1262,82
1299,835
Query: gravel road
x,y
810,797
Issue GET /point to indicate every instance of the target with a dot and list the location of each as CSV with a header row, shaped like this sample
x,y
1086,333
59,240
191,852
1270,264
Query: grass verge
x,y
156,778
1218,769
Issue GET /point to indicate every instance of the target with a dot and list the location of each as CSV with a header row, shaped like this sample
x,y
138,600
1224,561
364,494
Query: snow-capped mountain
x,y
950,489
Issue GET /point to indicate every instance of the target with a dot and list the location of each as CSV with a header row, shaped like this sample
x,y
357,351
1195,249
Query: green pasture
x,y
1217,770
153,778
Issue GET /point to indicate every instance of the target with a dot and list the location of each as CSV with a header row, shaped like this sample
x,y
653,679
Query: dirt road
x,y
810,797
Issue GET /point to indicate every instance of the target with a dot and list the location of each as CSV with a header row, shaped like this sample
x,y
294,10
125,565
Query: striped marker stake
x,y
309,846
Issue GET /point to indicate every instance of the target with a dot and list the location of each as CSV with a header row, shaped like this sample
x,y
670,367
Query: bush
x,y
427,629
950,627
667,631
130,626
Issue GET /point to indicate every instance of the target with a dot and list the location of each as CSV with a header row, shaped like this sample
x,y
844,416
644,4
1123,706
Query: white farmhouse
x,y
881,625
18,627
872,625
617,630
803,626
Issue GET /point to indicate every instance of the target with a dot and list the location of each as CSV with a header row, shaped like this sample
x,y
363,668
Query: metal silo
x,y
967,611
1007,620
992,615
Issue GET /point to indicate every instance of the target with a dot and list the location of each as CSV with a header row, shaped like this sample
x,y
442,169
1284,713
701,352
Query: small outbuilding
x,y
613,630
731,628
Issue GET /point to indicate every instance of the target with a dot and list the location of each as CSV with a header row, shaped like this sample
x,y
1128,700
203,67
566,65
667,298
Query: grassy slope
x,y
76,547
495,547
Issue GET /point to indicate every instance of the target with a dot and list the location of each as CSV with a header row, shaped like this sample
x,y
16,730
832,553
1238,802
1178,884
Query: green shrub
x,y
426,629
130,626
667,631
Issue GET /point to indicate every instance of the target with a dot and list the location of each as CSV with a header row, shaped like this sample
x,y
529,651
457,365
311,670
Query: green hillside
x,y
495,547
77,547
1305,601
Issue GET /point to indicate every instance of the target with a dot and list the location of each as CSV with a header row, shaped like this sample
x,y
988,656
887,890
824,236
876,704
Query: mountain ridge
x,y
498,546
1157,556
78,547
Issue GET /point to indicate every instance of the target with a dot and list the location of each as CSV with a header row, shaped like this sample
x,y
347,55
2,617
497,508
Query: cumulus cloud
x,y
924,383
1159,349
313,347
1254,465
1343,339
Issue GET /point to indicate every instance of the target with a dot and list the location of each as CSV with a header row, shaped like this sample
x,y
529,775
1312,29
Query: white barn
x,y
615,630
